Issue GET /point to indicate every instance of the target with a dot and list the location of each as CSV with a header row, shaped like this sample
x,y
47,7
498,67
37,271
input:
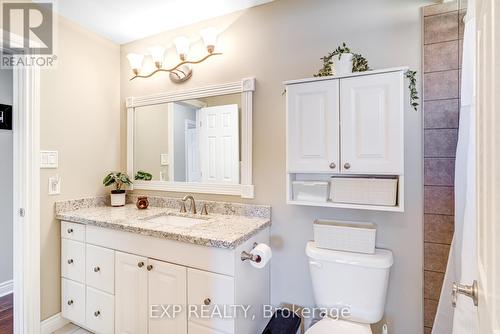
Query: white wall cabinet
x,y
346,126
128,278
313,127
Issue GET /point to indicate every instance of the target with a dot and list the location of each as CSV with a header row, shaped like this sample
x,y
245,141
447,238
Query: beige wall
x,y
285,40
80,119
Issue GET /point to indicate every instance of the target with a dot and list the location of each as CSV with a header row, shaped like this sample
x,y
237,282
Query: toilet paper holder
x,y
249,256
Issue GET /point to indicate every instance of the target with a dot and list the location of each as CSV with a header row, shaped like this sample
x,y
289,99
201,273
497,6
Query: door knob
x,y
347,165
97,313
149,267
333,165
470,291
70,302
70,230
140,264
97,269
70,261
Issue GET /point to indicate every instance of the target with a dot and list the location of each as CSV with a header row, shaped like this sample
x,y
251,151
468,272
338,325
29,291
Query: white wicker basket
x,y
345,236
368,191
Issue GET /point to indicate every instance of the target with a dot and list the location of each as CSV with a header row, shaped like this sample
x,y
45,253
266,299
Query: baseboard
x,y
52,324
6,288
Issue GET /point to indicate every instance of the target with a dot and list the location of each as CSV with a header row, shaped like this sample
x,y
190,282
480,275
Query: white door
x,y
131,294
167,288
192,143
313,127
488,164
371,114
220,147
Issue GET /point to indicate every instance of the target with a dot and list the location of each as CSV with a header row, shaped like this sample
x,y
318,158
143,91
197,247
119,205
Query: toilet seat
x,y
331,326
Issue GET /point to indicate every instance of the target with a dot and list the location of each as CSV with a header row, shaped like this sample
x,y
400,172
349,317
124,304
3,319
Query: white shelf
x,y
348,206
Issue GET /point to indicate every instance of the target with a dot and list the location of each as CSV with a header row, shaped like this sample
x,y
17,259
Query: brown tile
x,y
441,85
435,257
439,200
439,171
427,330
461,23
438,228
441,28
440,143
440,8
441,56
441,114
433,283
430,308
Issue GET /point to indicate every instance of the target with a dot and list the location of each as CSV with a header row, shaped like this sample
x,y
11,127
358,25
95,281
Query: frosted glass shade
x,y
209,36
182,46
135,60
157,53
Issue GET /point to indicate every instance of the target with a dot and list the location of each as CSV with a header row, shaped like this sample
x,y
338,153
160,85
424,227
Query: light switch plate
x,y
49,159
54,185
164,159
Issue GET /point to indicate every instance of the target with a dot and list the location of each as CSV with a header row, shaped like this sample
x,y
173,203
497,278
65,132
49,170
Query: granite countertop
x,y
217,230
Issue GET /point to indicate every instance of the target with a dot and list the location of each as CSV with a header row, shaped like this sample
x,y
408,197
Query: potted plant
x,y
344,62
118,194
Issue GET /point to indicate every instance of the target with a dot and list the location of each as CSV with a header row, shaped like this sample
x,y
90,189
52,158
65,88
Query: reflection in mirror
x,y
194,141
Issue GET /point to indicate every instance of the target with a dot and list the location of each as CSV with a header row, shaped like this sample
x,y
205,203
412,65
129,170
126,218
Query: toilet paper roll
x,y
265,254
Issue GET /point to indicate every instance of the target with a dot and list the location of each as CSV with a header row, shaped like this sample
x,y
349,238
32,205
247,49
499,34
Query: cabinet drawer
x,y
212,289
73,231
100,272
73,301
73,260
100,311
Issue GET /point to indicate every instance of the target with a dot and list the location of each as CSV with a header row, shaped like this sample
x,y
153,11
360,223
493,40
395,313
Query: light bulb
x,y
135,60
157,53
209,36
182,46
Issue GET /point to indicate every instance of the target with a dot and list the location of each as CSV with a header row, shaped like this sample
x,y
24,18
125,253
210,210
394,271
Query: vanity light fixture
x,y
182,71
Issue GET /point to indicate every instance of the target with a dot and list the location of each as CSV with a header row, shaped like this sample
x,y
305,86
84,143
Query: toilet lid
x,y
331,326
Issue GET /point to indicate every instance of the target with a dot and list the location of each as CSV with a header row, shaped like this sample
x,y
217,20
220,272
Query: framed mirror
x,y
197,140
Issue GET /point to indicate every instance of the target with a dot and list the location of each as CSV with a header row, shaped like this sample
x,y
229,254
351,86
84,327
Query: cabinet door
x,y
167,288
371,114
131,294
313,127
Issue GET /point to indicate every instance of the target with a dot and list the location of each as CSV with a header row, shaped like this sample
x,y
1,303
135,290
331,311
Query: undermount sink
x,y
175,221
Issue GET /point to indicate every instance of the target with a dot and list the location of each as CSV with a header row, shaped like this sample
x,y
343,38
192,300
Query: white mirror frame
x,y
246,188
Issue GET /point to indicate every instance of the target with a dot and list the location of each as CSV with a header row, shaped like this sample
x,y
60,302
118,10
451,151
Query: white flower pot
x,y
342,64
118,199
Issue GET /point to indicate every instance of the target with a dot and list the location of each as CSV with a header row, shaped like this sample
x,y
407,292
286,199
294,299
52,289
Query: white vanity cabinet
x,y
128,280
349,126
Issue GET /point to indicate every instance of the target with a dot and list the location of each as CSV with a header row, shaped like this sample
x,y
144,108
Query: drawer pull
x,y
70,230
70,261
347,165
97,269
140,264
332,165
207,301
70,302
149,267
97,313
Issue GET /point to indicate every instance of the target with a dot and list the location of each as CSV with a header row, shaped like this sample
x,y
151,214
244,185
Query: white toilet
x,y
354,280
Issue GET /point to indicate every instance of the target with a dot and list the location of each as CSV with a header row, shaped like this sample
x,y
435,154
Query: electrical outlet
x,y
54,185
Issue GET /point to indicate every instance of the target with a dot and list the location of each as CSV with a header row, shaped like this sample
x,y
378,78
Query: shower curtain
x,y
462,260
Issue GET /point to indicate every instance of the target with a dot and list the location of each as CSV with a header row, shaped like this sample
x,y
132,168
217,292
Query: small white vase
x,y
342,64
118,199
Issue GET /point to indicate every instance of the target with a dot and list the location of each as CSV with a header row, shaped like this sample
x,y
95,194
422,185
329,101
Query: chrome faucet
x,y
193,204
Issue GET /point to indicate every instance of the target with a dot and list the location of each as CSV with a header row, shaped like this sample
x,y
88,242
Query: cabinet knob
x,y
97,269
347,165
333,165
70,261
70,230
140,264
207,301
70,302
97,313
149,267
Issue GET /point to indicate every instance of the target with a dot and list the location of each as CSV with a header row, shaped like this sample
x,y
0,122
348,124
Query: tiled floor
x,y
71,329
6,314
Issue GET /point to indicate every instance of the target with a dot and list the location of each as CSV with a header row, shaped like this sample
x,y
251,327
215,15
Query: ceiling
x,y
124,21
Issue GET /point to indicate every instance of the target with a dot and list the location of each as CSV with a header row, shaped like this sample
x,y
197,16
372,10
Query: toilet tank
x,y
353,280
